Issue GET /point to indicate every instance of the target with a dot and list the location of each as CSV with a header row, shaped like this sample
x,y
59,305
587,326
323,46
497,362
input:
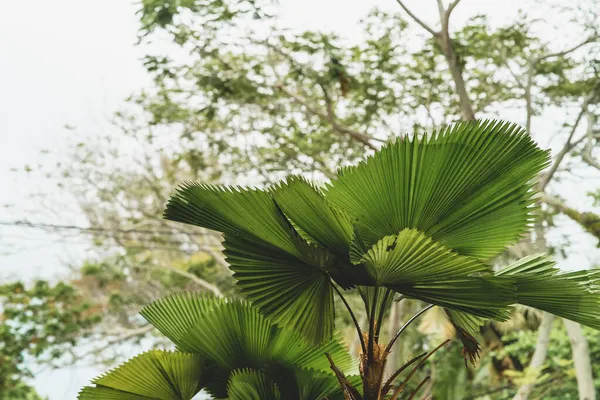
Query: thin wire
x,y
26,224
108,235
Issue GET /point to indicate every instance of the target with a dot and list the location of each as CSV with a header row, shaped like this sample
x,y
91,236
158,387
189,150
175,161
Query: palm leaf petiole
x,y
372,323
356,324
388,384
414,317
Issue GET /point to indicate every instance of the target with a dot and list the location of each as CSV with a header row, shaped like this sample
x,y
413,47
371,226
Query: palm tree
x,y
420,219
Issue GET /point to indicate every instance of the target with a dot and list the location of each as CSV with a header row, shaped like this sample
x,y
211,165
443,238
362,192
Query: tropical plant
x,y
228,348
421,218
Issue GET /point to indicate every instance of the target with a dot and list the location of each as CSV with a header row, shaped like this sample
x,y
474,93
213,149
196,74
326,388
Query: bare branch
x,y
586,155
567,51
115,337
589,160
416,19
123,334
444,18
451,7
510,70
199,281
545,179
329,117
587,220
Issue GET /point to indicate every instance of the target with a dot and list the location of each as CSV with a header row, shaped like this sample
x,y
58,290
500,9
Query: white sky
x,y
74,62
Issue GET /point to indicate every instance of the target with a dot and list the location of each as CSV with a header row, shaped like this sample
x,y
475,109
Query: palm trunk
x,y
581,358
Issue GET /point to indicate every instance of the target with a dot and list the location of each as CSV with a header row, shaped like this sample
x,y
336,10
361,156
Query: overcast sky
x,y
74,62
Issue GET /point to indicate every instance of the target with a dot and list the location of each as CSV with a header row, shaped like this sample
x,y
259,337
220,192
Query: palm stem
x,y
381,313
414,393
401,387
372,323
356,324
390,381
391,343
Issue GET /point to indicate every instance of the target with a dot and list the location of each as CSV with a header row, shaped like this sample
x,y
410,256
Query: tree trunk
x,y
539,356
466,109
581,358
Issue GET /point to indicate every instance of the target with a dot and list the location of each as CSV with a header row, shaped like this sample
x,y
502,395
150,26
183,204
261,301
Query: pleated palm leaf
x,y
227,348
421,218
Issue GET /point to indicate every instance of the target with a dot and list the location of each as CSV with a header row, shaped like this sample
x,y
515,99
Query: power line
x,y
26,224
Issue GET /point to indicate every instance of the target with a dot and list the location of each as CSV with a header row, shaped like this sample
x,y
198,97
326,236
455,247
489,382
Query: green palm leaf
x,y
468,322
571,295
175,314
306,206
316,386
467,187
104,393
293,292
268,256
232,335
413,264
248,213
252,385
155,374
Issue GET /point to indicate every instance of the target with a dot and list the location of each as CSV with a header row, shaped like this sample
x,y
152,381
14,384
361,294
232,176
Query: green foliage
x,y
420,217
285,265
38,322
164,14
165,376
557,380
567,294
228,348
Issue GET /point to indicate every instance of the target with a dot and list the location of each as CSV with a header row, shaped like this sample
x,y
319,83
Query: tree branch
x,y
124,334
329,117
416,19
198,281
443,20
546,177
567,51
588,220
510,70
586,155
451,7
